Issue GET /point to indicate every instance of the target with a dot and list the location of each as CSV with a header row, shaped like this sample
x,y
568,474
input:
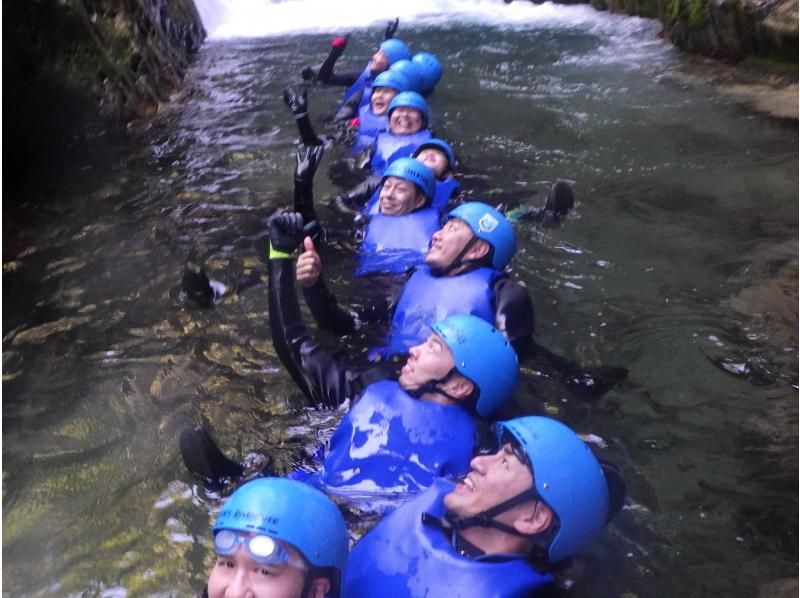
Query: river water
x,y
678,263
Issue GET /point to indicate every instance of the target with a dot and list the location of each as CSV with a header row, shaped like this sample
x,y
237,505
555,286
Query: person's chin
x,y
430,260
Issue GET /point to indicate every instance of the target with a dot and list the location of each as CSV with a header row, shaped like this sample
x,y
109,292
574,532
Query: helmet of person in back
x,y
391,79
488,224
430,69
395,50
484,356
294,513
412,73
415,172
567,477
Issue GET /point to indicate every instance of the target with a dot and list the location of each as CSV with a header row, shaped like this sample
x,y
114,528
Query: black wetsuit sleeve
x,y
349,109
327,76
304,199
360,194
326,311
514,314
307,133
318,375
333,318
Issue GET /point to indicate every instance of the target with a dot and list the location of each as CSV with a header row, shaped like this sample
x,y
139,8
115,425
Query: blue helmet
x,y
391,79
491,226
414,171
484,356
292,512
412,72
430,69
395,50
567,477
442,146
410,99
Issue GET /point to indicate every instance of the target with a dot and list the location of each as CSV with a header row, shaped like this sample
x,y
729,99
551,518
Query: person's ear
x,y
533,519
319,588
420,200
479,250
459,387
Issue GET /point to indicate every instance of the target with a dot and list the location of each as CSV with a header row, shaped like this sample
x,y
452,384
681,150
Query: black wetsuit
x,y
321,377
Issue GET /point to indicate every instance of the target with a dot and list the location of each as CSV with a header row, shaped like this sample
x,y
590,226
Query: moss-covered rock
x,y
730,30
72,65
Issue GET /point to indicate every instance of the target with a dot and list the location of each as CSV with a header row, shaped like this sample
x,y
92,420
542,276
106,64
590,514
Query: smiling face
x,y
239,575
447,243
379,62
381,97
405,121
492,480
399,197
432,360
435,160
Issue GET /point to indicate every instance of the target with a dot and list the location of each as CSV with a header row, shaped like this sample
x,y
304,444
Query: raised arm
x,y
326,74
321,377
298,104
308,159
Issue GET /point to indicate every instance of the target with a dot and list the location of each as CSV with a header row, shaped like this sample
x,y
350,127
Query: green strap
x,y
274,254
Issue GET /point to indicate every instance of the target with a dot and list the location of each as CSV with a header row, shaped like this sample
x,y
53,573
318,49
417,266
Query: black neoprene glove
x,y
391,28
286,231
308,159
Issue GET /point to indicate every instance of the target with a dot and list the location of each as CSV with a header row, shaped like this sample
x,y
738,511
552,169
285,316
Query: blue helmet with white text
x,y
489,225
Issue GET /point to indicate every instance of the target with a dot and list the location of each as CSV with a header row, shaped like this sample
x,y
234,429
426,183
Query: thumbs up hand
x,y
309,264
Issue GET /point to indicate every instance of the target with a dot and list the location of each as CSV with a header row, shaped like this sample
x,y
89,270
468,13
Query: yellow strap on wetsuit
x,y
274,254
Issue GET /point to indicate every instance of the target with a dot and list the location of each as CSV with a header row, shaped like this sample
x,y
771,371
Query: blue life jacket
x,y
369,127
364,80
444,191
397,243
427,299
390,442
403,557
389,147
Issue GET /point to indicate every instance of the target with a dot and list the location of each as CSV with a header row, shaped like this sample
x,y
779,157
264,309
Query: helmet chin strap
x,y
487,518
458,260
432,386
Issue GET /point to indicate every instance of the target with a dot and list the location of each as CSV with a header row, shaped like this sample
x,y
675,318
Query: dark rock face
x,y
76,66
729,30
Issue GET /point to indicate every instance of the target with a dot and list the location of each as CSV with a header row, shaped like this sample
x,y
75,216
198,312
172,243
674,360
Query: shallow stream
x,y
678,263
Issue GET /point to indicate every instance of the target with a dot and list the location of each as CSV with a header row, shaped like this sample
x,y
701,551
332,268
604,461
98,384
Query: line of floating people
x,y
485,501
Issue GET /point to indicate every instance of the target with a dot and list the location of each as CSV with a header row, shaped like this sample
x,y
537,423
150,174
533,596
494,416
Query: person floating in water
x,y
278,538
436,154
400,433
389,52
501,530
421,74
407,128
462,273
396,237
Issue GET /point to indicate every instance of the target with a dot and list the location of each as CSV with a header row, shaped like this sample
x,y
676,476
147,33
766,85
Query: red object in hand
x,y
354,123
339,43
